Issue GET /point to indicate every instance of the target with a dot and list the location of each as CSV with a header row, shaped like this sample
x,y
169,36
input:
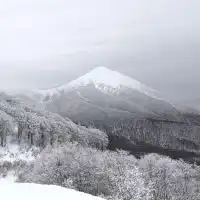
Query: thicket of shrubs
x,y
114,175
171,179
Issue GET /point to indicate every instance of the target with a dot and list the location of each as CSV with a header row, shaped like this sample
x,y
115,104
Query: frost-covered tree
x,y
104,173
6,127
130,183
88,136
171,179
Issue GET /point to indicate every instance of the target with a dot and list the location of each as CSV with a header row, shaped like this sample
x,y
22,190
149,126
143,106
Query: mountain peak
x,y
100,69
102,75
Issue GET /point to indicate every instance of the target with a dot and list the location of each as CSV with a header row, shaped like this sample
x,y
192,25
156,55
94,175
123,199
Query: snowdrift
x,y
24,191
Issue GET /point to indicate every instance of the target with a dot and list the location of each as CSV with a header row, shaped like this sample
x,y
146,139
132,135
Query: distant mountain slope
x,y
103,93
100,94
191,105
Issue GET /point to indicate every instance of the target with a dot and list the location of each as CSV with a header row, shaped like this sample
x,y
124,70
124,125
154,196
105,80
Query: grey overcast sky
x,y
49,42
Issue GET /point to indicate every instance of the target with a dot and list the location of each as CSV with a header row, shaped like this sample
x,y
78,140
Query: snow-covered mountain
x,y
100,94
105,80
103,93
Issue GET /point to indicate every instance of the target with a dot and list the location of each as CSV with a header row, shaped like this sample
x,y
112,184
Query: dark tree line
x,y
178,139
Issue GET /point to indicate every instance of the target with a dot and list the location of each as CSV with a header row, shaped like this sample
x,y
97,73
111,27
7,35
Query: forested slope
x,y
23,123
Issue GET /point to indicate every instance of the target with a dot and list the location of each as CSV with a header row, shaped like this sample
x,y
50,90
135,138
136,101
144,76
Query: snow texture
x,y
13,152
24,191
9,178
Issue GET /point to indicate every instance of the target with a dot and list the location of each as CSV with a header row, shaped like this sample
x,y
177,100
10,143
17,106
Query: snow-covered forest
x,y
26,124
41,147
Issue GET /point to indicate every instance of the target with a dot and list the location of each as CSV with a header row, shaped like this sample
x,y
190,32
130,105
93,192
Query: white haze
x,y
49,42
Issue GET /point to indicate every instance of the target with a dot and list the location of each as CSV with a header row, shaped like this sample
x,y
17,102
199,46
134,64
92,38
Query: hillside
x,y
25,124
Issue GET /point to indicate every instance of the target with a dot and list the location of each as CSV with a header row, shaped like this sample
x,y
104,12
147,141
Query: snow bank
x,y
24,191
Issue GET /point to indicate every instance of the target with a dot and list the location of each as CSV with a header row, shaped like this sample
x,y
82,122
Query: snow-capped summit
x,y
105,80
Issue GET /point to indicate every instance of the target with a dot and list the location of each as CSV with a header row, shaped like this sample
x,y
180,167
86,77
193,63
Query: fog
x,y
50,42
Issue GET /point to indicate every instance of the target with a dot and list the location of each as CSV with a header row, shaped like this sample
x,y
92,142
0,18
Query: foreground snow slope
x,y
24,191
